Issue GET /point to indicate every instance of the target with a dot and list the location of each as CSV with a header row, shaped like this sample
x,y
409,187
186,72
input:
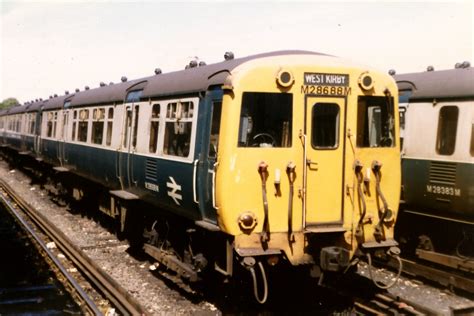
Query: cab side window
x,y
215,127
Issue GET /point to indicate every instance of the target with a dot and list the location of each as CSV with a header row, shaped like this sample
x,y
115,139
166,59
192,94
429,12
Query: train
x,y
436,217
282,159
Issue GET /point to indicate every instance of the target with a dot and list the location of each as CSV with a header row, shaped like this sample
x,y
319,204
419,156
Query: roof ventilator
x,y
464,64
229,55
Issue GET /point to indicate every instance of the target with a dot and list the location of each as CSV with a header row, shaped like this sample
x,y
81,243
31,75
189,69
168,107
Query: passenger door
x,y
128,146
324,163
37,132
62,138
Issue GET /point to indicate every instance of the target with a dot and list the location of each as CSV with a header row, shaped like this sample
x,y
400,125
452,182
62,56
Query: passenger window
x,y
472,140
402,114
375,122
215,127
32,124
83,123
135,127
325,125
178,126
266,120
63,128
128,124
154,126
110,121
18,123
51,124
74,124
447,127
98,116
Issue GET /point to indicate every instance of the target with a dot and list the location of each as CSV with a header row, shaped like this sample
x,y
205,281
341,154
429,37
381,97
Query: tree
x,y
8,103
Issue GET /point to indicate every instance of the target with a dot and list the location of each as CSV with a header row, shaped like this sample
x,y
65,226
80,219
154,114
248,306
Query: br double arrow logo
x,y
174,191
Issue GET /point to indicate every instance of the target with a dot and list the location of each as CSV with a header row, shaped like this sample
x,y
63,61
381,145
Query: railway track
x,y
122,302
368,299
443,277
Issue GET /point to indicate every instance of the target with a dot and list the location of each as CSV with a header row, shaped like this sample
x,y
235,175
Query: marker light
x,y
285,78
365,81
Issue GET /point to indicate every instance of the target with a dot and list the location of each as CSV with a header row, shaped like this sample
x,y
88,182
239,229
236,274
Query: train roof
x,y
35,106
452,83
57,102
17,109
186,81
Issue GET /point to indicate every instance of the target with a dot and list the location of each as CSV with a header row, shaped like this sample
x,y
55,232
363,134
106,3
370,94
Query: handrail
x,y
194,181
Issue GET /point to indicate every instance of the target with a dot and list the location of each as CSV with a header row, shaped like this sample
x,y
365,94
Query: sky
x,y
49,47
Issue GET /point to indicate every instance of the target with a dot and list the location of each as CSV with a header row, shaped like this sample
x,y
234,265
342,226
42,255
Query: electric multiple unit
x,y
289,158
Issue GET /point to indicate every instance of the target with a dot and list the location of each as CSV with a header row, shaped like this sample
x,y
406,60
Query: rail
x,y
119,298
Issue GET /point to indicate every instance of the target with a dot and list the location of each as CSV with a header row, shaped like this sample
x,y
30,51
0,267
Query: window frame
x,y
441,128
51,117
241,124
98,116
337,127
171,117
362,129
156,136
109,125
82,120
471,149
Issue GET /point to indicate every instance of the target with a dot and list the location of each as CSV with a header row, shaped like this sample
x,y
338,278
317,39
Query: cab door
x,y
324,151
208,164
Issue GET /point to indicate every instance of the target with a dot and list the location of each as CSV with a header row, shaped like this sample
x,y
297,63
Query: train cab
x,y
308,150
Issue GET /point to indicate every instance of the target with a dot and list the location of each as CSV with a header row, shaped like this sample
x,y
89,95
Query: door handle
x,y
310,163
